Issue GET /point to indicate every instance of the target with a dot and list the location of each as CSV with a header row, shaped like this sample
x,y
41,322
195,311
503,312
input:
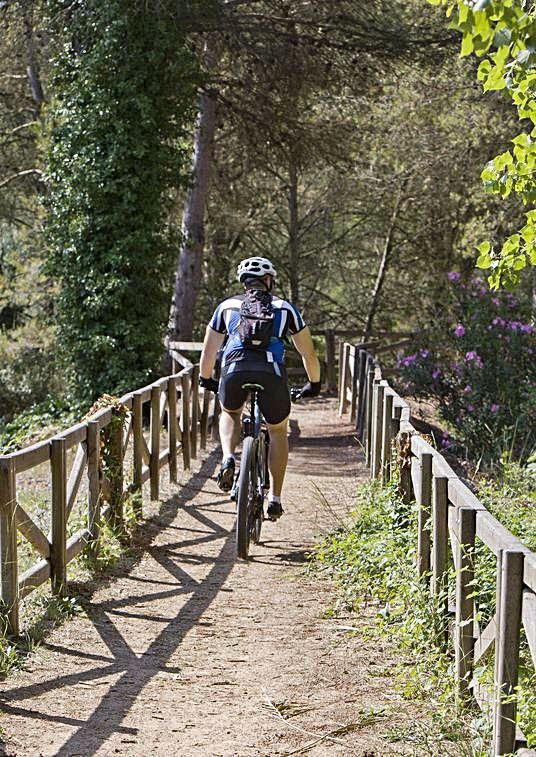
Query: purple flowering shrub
x,y
479,363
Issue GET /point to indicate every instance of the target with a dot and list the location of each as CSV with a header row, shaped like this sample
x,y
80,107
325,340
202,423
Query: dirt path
x,y
189,652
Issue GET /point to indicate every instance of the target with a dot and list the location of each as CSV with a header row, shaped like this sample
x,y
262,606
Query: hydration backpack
x,y
256,325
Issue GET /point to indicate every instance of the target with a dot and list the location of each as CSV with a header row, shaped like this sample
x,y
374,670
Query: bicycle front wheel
x,y
243,499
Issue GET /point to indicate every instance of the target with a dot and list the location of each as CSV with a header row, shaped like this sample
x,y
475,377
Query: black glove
x,y
310,389
209,383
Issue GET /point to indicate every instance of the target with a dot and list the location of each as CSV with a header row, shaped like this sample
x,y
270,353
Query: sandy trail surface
x,y
186,651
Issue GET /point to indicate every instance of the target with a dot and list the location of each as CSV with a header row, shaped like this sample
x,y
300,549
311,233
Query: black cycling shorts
x,y
274,400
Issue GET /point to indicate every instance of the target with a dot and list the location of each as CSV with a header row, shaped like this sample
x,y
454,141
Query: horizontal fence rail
x,y
450,519
175,409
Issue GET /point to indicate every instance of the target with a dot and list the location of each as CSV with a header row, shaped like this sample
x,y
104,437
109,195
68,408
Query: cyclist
x,y
247,359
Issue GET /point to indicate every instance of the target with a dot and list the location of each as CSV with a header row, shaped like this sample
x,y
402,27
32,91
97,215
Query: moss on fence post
x,y
111,457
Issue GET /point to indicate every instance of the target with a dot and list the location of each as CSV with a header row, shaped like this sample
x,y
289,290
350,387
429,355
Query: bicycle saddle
x,y
253,386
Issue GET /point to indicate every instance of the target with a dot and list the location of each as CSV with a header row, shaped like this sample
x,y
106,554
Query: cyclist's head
x,y
254,271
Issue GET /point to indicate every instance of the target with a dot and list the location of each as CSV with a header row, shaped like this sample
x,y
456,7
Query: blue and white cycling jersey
x,y
287,322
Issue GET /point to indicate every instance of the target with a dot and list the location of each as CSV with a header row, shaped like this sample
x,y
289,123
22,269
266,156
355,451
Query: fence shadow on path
x,y
136,670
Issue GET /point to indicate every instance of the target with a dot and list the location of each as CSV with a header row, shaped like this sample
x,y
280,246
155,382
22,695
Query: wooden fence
x,y
174,400
450,519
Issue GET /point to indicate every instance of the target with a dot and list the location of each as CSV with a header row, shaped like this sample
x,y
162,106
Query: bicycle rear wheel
x,y
261,485
244,497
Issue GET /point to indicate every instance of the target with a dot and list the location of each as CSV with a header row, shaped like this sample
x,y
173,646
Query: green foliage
x,y
52,612
372,561
37,422
28,371
117,133
511,496
503,33
479,366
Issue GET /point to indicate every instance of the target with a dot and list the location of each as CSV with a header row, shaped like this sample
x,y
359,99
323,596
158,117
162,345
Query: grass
x,y
371,560
53,612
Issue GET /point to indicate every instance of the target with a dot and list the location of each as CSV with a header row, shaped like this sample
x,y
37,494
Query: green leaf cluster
x,y
503,32
117,135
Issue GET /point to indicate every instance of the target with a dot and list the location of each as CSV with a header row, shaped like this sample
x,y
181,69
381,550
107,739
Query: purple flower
x,y
493,408
424,353
473,357
459,330
436,373
453,277
495,301
468,389
470,408
408,360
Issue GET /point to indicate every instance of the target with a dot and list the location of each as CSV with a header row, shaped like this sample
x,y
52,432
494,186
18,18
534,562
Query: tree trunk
x,y
294,244
32,63
188,271
384,263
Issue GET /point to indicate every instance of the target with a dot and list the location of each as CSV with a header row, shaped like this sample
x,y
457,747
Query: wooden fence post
x,y
8,545
423,497
172,428
185,417
194,417
154,457
331,374
369,410
440,538
464,631
343,402
137,438
354,384
405,484
341,374
361,395
395,422
58,464
94,483
117,477
386,437
379,391
507,651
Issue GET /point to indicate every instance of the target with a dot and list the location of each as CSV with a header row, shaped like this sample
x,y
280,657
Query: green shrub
x,y
29,374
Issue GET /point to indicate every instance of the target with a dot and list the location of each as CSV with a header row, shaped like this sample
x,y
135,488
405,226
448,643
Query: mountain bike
x,y
253,478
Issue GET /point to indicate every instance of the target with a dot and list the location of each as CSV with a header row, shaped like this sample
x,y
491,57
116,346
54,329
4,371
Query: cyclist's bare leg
x,y
229,431
278,455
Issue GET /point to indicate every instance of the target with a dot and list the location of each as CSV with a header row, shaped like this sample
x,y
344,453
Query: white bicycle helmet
x,y
255,267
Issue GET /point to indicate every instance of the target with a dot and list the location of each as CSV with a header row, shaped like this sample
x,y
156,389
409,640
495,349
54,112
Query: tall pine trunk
x,y
188,271
32,62
384,262
294,241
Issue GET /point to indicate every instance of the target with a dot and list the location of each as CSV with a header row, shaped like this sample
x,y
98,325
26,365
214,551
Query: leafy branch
x,y
502,32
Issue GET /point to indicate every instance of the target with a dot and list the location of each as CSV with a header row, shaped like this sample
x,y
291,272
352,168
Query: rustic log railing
x,y
450,518
174,399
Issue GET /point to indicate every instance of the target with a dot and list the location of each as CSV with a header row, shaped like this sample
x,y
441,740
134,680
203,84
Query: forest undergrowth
x,y
372,564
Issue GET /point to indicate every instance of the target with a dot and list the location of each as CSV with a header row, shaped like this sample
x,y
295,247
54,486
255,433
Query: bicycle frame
x,y
254,419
